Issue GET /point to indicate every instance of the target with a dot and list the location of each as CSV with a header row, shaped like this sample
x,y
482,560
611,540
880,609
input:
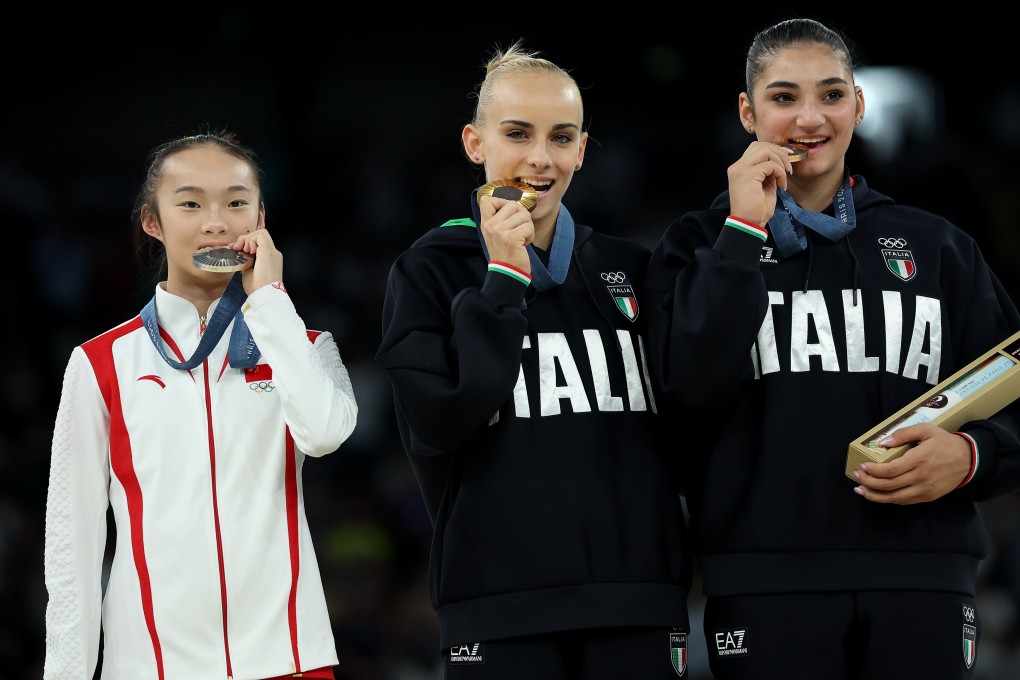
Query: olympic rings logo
x,y
896,243
613,277
262,386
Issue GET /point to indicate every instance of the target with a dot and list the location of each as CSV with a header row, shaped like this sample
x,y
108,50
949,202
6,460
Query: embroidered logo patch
x,y
622,292
472,654
766,255
678,651
732,642
259,378
969,636
898,259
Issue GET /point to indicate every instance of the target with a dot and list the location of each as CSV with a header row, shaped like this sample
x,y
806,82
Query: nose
x,y
538,156
214,224
810,115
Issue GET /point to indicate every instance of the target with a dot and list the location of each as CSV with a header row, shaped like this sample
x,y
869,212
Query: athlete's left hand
x,y
268,266
934,466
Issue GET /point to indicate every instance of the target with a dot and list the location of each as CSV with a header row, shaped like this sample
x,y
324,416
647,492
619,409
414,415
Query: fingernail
x,y
857,475
859,490
886,441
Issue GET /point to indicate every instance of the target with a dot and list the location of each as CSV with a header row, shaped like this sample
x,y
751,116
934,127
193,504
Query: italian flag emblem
x,y
678,652
900,263
627,305
969,645
622,292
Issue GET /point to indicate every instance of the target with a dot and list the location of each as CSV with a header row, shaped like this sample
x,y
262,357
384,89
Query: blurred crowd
x,y
359,135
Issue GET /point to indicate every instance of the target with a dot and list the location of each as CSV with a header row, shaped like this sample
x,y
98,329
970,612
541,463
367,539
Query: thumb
x,y
487,207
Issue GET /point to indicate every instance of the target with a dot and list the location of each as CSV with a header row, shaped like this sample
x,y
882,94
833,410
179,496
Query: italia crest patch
x,y
969,636
622,292
898,258
678,651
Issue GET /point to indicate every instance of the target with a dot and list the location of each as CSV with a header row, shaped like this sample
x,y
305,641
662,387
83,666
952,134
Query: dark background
x,y
358,130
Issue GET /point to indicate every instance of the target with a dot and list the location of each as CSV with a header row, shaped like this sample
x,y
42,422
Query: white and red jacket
x,y
214,574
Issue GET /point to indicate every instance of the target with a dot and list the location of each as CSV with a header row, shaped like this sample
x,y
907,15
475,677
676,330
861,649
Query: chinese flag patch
x,y
258,372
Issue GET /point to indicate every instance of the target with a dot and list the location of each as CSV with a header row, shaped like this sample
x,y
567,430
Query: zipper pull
x,y
201,325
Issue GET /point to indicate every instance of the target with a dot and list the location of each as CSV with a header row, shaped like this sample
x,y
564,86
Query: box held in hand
x,y
978,390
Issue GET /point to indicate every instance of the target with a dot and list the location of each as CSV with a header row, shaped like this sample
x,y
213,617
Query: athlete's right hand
x,y
507,229
754,178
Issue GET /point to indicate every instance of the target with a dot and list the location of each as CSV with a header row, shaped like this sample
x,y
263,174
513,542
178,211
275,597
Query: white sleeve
x,y
76,504
315,387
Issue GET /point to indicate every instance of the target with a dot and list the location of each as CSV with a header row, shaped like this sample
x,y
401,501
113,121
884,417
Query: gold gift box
x,y
978,390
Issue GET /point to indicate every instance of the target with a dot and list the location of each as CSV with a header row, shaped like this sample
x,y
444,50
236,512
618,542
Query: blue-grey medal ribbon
x,y
790,220
562,247
242,351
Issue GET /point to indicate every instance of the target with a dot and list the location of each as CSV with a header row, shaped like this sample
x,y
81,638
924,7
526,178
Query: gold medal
x,y
511,190
798,154
222,259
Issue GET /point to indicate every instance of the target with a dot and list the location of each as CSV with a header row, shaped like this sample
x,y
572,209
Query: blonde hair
x,y
514,60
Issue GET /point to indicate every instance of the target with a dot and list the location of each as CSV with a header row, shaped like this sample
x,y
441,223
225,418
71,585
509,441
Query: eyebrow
x,y
825,82
198,190
524,124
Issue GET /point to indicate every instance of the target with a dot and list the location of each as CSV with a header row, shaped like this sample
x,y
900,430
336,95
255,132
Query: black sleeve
x,y
708,301
452,355
989,316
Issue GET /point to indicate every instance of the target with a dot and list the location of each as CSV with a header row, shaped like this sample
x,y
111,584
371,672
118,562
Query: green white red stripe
x,y
628,306
975,458
511,271
747,227
904,268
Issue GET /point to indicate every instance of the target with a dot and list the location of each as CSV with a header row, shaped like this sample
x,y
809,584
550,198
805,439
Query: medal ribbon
x,y
242,351
562,247
789,221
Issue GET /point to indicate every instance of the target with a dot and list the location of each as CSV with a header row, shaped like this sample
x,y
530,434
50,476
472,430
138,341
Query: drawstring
x,y
853,256
810,258
857,266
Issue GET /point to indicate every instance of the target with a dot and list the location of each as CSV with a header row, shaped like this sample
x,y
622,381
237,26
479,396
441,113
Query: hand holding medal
x,y
258,259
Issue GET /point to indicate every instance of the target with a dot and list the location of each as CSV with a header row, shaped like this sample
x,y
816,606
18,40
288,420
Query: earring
x,y
577,167
858,121
476,158
748,128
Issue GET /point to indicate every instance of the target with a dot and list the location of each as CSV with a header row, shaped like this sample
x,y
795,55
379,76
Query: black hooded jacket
x,y
531,425
776,364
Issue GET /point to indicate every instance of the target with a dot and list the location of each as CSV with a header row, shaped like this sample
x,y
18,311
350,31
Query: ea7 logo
x,y
731,642
473,654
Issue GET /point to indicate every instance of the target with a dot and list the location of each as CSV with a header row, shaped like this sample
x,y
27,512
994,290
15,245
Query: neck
x,y
544,231
201,292
815,193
